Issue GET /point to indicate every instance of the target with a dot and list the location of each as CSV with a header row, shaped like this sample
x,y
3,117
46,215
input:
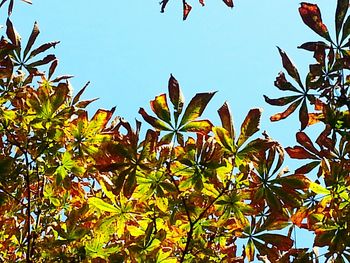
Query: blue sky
x,y
127,49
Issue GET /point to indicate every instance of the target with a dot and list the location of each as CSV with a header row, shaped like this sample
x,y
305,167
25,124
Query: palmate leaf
x,y
292,101
189,121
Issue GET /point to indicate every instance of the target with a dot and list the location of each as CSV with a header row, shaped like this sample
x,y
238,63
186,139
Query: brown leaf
x,y
282,83
303,115
12,34
289,66
298,152
31,40
311,15
163,5
287,112
306,142
226,119
281,101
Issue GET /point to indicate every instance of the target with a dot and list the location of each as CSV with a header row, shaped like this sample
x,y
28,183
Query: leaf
x,y
289,66
77,97
196,107
223,137
281,101
298,152
32,38
157,124
201,126
102,205
287,112
163,5
175,95
311,15
42,49
229,3
306,142
12,34
186,9
249,126
250,250
318,189
342,8
282,83
346,29
160,107
281,242
303,115
227,120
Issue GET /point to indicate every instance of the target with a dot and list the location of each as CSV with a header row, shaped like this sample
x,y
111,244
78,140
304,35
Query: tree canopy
x,y
175,187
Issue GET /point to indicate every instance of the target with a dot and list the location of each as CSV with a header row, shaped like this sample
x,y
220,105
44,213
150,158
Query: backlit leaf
x,y
342,8
196,107
311,15
249,126
289,66
102,205
160,107
227,120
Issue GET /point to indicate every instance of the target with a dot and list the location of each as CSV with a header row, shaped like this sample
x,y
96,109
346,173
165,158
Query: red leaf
x,y
186,10
305,141
229,3
311,15
202,2
298,152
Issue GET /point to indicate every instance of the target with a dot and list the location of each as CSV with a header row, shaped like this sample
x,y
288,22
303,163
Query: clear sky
x,y
127,49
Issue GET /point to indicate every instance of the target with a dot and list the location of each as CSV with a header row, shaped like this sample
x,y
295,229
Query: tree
x,y
80,189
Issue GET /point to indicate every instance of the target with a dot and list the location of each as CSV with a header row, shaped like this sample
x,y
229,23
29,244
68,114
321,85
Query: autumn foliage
x,y
175,187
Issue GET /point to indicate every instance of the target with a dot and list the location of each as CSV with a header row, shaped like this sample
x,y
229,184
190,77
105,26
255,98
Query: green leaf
x,y
201,126
318,189
196,107
249,126
156,123
102,205
160,107
223,137
250,250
